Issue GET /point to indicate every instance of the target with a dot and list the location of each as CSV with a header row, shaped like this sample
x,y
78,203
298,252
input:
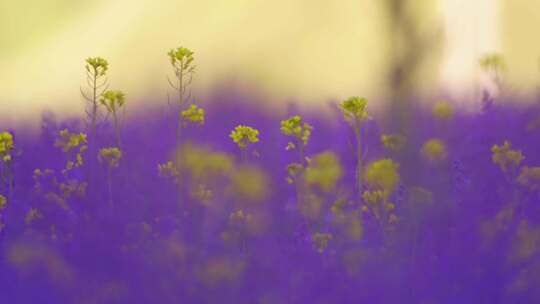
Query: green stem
x,y
359,163
109,183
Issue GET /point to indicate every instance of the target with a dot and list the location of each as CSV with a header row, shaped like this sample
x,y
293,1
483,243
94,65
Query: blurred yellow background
x,y
310,51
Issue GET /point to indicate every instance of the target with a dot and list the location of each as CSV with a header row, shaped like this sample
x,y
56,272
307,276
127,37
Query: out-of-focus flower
x,y
311,207
110,156
321,240
221,270
492,62
505,157
354,110
194,114
434,150
203,194
294,127
324,170
394,143
244,135
3,202
530,177
168,170
292,171
250,183
202,163
383,175
527,242
97,66
239,218
443,110
32,215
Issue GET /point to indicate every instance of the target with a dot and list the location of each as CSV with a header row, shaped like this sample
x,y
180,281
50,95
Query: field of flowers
x,y
234,204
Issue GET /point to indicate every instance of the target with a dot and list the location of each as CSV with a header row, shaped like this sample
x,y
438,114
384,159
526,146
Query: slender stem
x,y
117,129
94,106
359,162
109,183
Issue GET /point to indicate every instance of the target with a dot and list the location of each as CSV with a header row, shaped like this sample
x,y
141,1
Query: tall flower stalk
x,y
182,63
300,132
96,70
355,113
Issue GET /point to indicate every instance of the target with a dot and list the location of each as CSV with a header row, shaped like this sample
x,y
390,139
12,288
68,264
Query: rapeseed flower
x,y
434,150
505,157
244,135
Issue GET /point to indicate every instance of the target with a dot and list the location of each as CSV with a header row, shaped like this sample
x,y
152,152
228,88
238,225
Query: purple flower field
x,y
175,207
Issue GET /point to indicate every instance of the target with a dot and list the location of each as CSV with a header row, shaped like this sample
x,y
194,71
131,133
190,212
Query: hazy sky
x,y
302,49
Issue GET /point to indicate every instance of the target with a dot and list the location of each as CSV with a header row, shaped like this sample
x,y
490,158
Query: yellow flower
x,y
324,171
250,183
354,110
530,177
97,65
244,135
294,127
194,114
69,141
505,157
110,156
3,202
113,100
434,150
6,146
383,175
443,110
203,163
393,143
321,240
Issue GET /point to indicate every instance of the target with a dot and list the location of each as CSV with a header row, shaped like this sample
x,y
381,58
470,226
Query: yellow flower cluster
x,y
194,114
97,65
3,202
493,62
69,141
376,204
324,171
110,156
394,143
530,177
294,127
505,157
250,183
383,175
443,110
321,241
434,150
354,110
202,163
203,194
181,58
239,218
168,170
6,146
244,135
113,100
